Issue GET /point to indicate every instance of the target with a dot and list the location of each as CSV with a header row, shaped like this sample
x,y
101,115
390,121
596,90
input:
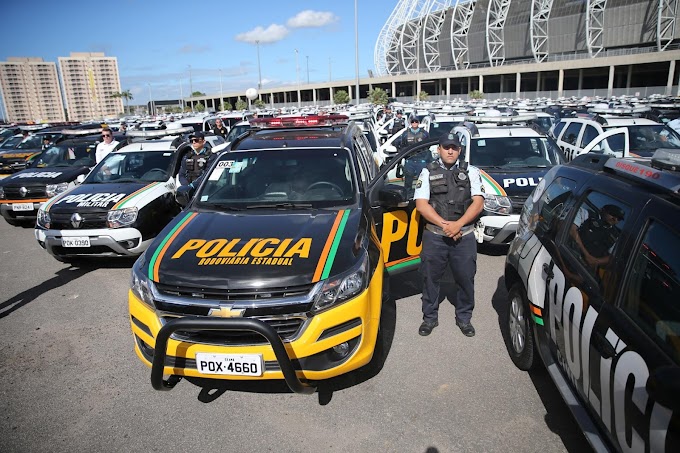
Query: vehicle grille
x,y
517,203
286,327
91,220
234,294
12,192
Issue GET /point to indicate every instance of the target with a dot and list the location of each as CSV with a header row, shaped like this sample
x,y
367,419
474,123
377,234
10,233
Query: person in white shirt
x,y
106,146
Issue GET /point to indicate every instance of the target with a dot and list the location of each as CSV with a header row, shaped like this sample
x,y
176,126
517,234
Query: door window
x,y
571,134
595,231
588,135
652,294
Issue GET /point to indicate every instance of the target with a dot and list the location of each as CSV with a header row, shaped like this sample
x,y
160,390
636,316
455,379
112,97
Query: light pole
x,y
307,69
356,47
191,89
221,100
259,73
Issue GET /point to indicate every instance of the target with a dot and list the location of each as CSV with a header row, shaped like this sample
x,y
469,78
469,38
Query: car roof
x,y
149,145
486,131
628,121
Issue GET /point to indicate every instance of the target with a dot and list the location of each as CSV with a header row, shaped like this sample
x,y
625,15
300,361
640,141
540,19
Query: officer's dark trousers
x,y
461,256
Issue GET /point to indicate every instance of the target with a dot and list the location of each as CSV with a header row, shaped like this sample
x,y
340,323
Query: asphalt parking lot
x,y
71,380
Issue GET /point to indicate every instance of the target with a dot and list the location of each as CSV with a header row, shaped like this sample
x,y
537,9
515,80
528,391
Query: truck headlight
x,y
342,288
121,217
55,189
141,285
44,219
497,204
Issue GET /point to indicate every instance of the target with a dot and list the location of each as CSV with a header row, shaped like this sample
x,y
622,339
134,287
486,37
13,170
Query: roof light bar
x,y
81,131
160,132
299,121
618,110
515,119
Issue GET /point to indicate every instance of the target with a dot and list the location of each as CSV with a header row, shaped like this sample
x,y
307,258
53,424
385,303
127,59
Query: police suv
x,y
121,206
594,283
57,169
512,159
277,266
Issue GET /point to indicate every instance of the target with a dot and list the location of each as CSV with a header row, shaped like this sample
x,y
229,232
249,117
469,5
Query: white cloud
x,y
311,19
273,33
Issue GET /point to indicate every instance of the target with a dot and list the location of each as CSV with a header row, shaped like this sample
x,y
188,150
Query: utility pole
x,y
181,96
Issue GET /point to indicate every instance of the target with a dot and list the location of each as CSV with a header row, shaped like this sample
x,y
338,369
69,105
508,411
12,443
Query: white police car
x,y
125,201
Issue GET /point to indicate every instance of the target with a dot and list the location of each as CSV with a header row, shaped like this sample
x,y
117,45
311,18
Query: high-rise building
x,y
30,90
89,80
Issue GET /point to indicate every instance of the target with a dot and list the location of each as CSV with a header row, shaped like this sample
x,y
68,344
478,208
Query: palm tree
x,y
127,95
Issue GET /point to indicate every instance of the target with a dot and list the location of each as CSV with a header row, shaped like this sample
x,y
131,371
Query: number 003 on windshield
x,y
234,364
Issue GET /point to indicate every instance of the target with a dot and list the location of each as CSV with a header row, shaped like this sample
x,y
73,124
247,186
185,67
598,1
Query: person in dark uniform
x,y
449,196
220,128
415,162
399,123
595,236
193,166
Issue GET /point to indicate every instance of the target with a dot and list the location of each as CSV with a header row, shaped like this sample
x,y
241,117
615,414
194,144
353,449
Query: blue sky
x,y
156,42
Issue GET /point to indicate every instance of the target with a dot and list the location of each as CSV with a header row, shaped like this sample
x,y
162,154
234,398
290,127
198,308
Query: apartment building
x,y
30,90
89,79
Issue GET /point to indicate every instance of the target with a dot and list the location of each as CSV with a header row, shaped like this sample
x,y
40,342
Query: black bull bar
x,y
231,324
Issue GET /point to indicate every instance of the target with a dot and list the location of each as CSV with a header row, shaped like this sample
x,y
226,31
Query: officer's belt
x,y
438,230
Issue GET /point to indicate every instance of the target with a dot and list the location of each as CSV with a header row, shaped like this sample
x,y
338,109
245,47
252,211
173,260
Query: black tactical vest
x,y
412,138
450,193
195,165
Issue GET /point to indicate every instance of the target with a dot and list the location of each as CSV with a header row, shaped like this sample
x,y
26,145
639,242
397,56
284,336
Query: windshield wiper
x,y
281,206
226,207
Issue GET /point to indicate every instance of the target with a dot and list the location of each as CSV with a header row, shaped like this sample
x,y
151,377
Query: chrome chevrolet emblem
x,y
226,312
23,191
76,220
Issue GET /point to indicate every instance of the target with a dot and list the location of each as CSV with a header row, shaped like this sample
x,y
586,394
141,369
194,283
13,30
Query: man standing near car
x,y
107,145
193,166
450,197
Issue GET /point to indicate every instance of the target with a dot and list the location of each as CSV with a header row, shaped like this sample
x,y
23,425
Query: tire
x,y
519,334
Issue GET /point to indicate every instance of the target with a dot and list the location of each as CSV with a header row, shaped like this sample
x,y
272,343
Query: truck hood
x,y
95,197
46,175
519,182
253,250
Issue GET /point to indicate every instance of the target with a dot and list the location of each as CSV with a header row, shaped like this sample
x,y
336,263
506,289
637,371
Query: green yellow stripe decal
x,y
409,261
134,194
491,182
155,262
323,267
537,320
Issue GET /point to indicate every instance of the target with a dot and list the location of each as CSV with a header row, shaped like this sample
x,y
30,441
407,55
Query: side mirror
x,y
393,196
80,179
183,195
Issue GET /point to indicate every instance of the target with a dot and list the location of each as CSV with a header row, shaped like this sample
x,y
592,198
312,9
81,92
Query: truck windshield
x,y
144,166
506,152
66,156
317,178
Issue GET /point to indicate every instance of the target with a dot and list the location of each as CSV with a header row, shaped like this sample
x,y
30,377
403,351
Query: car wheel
x,y
519,337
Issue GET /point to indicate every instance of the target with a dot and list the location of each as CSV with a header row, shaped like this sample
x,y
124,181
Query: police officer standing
x,y
220,128
399,123
197,160
449,196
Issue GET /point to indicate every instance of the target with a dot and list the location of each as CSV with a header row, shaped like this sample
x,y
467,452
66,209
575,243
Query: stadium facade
x,y
512,48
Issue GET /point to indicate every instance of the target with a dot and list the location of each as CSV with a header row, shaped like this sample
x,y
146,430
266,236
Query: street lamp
x,y
259,73
297,77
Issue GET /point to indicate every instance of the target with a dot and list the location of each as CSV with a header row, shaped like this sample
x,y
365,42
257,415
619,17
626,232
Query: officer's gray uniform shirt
x,y
423,185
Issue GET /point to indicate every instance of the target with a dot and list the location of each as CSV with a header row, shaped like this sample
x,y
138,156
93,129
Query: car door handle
x,y
603,346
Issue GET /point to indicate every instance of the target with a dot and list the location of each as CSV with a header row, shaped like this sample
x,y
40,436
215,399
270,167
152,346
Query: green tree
x,y
199,107
126,95
422,96
341,97
259,103
378,96
226,106
476,94
241,104
196,94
